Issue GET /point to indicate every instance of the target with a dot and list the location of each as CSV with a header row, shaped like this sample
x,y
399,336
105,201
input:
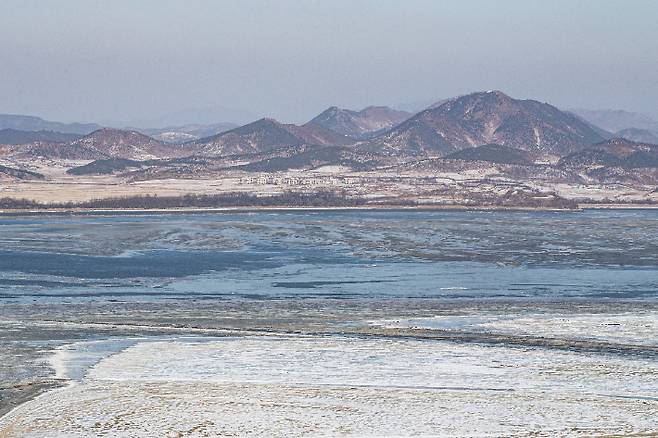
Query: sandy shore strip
x,y
283,209
158,211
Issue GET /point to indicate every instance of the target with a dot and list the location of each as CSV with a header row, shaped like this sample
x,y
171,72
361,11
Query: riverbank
x,y
138,360
296,384
283,209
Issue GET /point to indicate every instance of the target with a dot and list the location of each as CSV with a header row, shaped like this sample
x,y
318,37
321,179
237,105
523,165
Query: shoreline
x,y
20,394
617,206
257,209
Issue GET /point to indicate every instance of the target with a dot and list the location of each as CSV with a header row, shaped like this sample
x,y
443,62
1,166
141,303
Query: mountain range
x,y
616,120
14,136
32,123
622,124
482,127
264,135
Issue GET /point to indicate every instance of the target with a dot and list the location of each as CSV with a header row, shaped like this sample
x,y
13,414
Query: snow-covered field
x,y
630,328
431,186
337,386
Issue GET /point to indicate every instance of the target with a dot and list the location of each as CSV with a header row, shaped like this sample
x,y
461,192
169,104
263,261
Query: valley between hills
x,y
485,149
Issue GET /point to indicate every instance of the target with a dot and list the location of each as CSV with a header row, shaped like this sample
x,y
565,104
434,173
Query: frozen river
x,y
330,323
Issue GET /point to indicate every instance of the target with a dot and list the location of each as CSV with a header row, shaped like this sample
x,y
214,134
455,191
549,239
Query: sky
x,y
150,61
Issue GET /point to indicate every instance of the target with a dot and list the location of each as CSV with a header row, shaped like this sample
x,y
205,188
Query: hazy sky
x,y
92,60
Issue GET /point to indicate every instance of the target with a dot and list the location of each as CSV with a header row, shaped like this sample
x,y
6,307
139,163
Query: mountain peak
x,y
498,93
490,117
112,131
112,142
267,134
357,124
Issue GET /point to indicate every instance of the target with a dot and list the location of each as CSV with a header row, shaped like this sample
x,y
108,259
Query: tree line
x,y
237,199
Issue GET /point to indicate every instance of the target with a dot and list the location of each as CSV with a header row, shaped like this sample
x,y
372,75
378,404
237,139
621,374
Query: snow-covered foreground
x,y
339,386
628,328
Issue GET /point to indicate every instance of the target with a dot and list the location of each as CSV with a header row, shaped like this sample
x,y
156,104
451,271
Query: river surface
x,y
330,323
595,254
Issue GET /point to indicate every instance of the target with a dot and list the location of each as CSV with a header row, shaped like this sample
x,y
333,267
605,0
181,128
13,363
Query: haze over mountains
x,y
14,127
32,123
616,120
15,136
626,124
481,127
641,135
